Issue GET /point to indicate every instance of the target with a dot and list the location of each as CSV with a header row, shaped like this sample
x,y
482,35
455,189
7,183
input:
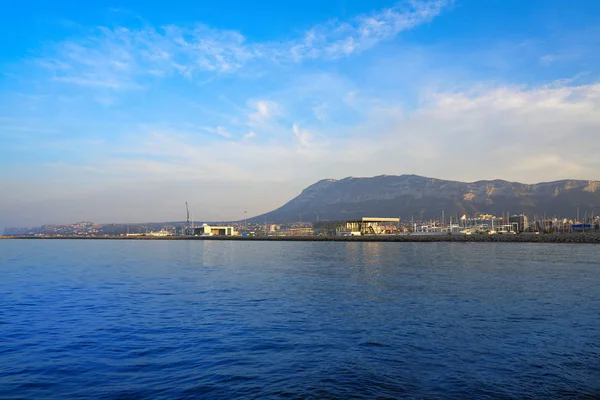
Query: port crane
x,y
187,224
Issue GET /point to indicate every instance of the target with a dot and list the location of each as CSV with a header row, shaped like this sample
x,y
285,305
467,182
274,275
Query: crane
x,y
187,225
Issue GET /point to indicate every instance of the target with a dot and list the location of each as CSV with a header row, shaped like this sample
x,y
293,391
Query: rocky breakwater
x,y
459,238
587,237
520,238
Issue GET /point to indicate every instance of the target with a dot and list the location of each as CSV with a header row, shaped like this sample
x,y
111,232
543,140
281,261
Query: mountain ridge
x,y
415,196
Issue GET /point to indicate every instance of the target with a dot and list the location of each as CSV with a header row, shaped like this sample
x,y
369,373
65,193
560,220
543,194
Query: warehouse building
x,y
208,230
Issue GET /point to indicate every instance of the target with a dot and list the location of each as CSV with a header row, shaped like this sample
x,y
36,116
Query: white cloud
x,y
122,58
264,117
303,136
223,132
263,110
219,130
526,134
338,39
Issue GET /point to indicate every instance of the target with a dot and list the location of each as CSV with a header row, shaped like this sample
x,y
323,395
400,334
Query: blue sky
x,y
124,110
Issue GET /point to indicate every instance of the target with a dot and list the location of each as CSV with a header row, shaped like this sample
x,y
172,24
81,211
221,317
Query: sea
x,y
154,319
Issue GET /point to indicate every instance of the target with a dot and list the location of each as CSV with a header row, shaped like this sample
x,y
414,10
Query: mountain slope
x,y
409,196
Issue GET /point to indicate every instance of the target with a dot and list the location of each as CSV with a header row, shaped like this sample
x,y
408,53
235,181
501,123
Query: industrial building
x,y
370,226
208,230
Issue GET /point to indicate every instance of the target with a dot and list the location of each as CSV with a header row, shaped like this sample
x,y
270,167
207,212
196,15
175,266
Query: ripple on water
x,y
117,319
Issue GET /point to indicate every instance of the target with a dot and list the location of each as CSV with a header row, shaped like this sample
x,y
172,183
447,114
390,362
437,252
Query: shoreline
x,y
588,237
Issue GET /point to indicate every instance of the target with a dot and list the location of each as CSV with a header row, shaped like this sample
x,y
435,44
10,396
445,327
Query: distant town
x,y
482,224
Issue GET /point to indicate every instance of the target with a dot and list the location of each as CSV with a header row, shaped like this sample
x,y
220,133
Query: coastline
x,y
587,237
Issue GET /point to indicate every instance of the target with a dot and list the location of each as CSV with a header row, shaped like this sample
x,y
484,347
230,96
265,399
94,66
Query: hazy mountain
x,y
408,196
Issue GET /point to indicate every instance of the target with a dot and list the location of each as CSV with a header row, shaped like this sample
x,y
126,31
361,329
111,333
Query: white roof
x,y
372,219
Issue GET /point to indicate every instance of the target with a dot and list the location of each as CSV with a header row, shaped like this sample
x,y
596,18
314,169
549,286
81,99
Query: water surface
x,y
234,319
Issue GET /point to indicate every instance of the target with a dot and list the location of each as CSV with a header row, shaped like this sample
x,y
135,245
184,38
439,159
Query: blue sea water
x,y
222,320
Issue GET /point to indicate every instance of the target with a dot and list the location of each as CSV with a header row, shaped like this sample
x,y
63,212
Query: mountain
x,y
408,196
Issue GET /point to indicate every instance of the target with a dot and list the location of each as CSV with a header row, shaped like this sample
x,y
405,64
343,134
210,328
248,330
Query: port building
x,y
214,230
370,226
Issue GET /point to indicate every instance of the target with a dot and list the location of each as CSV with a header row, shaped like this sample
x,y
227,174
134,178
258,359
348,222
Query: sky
x,y
121,111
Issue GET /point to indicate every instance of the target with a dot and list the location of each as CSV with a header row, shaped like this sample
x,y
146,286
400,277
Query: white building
x,y
370,226
208,230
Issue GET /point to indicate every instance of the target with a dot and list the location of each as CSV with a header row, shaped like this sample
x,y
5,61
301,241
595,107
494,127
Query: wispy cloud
x,y
303,136
263,110
527,134
122,58
337,39
219,130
